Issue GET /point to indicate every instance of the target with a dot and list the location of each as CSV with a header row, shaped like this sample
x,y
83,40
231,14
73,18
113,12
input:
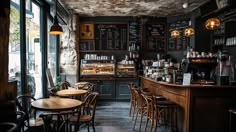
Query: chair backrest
x,y
49,77
150,103
90,103
20,119
23,103
138,98
62,117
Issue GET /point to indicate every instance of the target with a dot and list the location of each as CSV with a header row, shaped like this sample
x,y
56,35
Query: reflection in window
x,y
14,45
34,54
52,53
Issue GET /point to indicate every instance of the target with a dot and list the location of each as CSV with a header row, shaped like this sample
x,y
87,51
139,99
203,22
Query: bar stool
x,y
166,114
232,111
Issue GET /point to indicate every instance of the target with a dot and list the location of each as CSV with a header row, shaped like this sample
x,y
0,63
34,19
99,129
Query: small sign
x,y
187,79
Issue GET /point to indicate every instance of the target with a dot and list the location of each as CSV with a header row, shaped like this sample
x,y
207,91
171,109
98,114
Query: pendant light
x,y
55,29
189,31
175,33
212,23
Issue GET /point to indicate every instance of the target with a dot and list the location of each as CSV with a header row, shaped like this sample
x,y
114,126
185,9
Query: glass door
x,y
34,53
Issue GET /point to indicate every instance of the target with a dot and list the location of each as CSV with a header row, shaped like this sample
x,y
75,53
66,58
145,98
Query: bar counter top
x,y
107,78
188,86
200,107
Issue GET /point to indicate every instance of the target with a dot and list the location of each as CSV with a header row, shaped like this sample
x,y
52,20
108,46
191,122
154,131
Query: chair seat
x,y
84,118
36,122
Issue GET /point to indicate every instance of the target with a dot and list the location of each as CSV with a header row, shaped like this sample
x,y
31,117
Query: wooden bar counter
x,y
202,108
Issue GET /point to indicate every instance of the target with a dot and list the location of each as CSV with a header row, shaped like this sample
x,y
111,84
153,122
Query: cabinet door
x,y
122,90
106,89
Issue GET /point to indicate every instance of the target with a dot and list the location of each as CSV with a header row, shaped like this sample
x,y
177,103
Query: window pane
x,y
52,53
14,45
34,54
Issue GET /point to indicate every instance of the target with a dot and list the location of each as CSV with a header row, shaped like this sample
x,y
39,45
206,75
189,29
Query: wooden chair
x,y
53,89
150,101
23,103
87,112
141,107
58,122
20,116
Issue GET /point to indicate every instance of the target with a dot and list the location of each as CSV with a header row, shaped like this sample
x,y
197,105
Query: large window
x,y
14,44
32,59
52,57
34,53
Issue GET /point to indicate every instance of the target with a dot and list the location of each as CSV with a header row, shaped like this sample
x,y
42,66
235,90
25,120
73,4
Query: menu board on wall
x,y
111,36
181,42
134,33
155,37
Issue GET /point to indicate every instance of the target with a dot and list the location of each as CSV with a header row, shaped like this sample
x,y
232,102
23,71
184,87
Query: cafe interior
x,y
118,65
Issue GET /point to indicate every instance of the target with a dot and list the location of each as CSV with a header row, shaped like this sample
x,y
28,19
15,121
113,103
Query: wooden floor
x,y
113,117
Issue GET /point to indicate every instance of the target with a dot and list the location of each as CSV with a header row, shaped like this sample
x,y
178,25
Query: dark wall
x,y
192,17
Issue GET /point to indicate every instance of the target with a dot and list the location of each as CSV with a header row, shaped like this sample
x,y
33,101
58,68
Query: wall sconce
x,y
212,23
55,29
175,34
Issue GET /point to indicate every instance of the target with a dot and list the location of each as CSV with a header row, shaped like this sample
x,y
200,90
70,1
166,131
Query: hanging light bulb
x,y
212,23
56,29
175,34
189,31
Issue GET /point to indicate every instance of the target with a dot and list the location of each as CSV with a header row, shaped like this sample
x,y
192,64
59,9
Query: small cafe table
x,y
70,92
55,104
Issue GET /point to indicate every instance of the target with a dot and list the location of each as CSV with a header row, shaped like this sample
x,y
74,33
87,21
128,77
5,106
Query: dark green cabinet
x,y
122,90
112,89
106,89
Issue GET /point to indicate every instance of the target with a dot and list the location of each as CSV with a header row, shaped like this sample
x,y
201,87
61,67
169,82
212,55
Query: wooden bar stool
x,y
166,114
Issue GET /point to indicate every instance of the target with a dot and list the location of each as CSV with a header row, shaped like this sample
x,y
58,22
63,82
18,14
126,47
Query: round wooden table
x,y
70,92
56,104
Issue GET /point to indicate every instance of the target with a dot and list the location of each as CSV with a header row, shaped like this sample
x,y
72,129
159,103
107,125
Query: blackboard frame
x,y
99,47
161,37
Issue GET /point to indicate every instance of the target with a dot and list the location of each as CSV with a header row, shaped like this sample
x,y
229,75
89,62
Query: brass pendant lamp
x,y
189,31
175,33
212,23
56,29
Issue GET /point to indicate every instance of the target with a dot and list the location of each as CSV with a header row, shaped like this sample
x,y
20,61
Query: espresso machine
x,y
201,69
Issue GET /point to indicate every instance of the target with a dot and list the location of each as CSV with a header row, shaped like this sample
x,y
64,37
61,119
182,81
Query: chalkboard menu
x,y
155,37
111,36
181,42
134,33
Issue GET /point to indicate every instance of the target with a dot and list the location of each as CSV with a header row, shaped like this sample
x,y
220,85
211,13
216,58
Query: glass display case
x,y
126,70
97,67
